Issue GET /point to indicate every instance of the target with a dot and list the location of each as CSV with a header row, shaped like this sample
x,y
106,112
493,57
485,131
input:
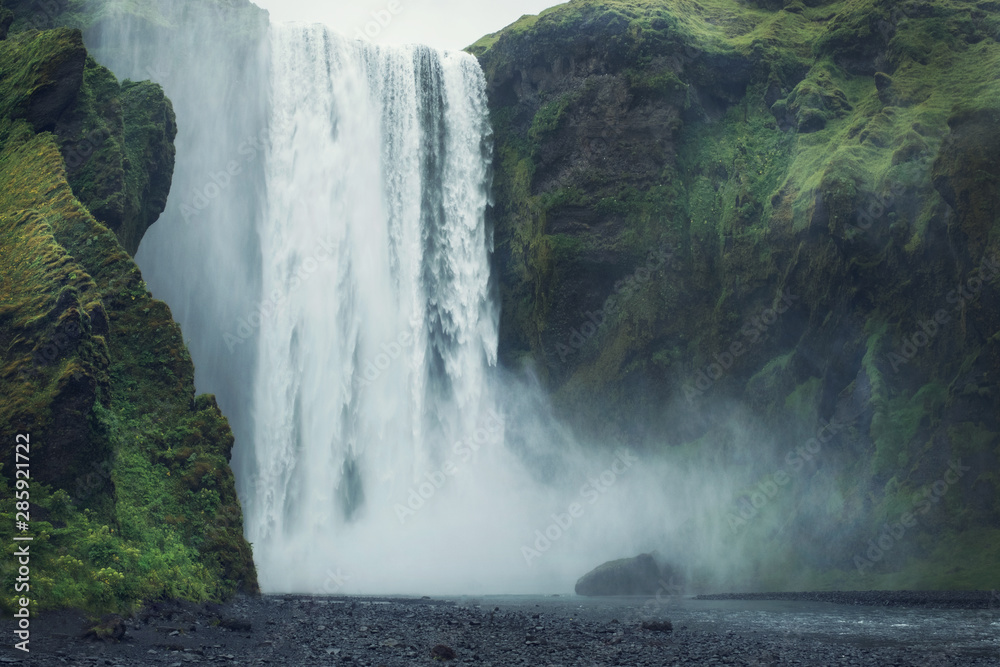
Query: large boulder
x,y
628,576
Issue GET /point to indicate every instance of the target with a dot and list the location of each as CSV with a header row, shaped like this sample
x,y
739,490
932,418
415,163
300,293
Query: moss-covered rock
x,y
6,19
628,576
132,497
116,139
119,151
822,179
967,174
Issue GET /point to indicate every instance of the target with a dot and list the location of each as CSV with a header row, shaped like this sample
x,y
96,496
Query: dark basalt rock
x,y
111,629
658,626
628,576
236,624
6,18
442,652
966,175
56,86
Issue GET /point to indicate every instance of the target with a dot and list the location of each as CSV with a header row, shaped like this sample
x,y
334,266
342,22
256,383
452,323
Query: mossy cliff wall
x,y
738,221
132,497
210,58
126,191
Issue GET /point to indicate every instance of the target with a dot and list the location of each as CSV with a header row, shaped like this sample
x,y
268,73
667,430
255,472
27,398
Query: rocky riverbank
x,y
298,630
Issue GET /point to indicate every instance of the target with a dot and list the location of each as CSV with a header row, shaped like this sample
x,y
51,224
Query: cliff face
x,y
131,494
117,140
746,223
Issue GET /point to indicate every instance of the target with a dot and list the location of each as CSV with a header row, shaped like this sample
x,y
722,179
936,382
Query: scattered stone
x,y
573,632
442,652
111,628
235,624
658,626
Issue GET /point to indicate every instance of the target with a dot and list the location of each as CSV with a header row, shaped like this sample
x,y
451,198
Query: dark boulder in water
x,y
628,576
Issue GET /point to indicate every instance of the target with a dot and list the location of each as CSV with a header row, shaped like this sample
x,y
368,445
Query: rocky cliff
x,y
747,227
131,495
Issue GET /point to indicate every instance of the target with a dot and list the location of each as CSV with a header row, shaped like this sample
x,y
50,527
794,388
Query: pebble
x,y
404,633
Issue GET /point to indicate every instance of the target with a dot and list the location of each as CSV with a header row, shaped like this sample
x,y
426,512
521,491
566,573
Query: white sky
x,y
449,24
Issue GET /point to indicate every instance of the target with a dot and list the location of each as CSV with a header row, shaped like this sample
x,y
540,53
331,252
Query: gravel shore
x,y
297,630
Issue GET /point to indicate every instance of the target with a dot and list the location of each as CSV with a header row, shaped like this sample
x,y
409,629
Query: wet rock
x,y
442,652
629,576
658,626
111,628
6,19
235,624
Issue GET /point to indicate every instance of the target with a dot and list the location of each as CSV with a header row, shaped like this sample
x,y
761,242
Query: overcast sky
x,y
449,24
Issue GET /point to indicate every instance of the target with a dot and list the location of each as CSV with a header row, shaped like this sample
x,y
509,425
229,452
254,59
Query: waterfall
x,y
325,251
379,328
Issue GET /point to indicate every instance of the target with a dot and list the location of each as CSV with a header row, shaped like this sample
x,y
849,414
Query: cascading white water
x,y
380,461
375,249
326,253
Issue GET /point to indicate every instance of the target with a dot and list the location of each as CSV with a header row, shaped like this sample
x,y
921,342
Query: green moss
x,y
657,85
97,372
149,131
484,43
32,66
955,560
116,140
828,149
815,101
548,117
893,428
802,403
